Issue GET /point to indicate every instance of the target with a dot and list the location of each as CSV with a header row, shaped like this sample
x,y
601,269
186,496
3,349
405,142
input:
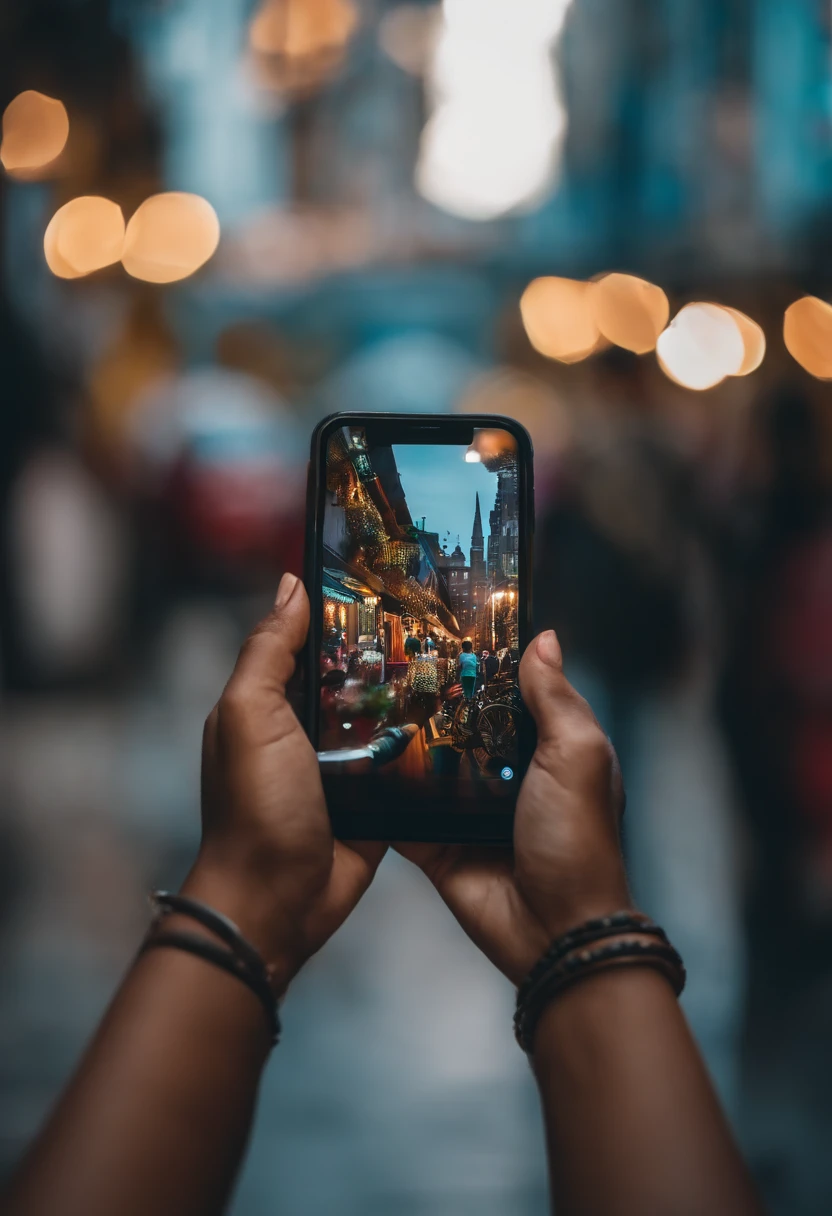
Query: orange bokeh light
x,y
169,237
84,235
807,333
558,318
630,312
35,131
753,339
301,28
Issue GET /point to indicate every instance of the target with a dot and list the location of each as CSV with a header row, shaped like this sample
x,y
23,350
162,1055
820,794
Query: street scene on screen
x,y
419,649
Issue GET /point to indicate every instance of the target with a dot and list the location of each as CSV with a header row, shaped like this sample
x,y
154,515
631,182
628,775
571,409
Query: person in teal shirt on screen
x,y
469,666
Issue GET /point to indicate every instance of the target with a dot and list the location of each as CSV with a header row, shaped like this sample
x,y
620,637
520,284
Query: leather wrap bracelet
x,y
237,956
575,956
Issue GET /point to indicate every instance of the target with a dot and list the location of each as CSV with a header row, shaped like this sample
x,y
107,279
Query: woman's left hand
x,y
268,858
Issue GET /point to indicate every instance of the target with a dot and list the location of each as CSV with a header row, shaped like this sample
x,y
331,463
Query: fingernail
x,y
286,589
548,648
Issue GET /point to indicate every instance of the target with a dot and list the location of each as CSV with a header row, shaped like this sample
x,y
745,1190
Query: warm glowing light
x,y
558,318
35,130
169,237
472,456
84,235
494,137
298,28
701,346
298,43
58,265
753,340
807,332
629,311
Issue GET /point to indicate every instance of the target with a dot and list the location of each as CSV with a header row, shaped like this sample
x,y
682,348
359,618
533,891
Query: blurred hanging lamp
x,y
35,131
630,312
298,44
753,338
701,346
807,333
169,237
558,320
83,236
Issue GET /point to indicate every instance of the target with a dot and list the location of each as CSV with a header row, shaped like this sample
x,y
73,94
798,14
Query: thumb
x,y
267,658
550,697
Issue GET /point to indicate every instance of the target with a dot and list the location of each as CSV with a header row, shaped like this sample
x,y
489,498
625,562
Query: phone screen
x,y
420,604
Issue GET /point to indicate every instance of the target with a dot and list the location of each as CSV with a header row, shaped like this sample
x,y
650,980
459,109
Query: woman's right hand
x,y
567,865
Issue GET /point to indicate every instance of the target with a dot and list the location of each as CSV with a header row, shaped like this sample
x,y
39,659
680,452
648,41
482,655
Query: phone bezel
x,y
446,823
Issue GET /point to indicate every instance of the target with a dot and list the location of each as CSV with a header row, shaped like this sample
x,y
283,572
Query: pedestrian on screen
x,y
468,670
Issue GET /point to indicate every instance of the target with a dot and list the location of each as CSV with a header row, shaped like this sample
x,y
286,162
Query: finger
x,y
546,691
267,658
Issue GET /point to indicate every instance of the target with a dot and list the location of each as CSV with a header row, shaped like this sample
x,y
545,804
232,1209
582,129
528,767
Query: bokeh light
x,y
524,397
299,43
84,235
169,237
701,346
807,333
493,140
558,318
630,312
35,131
299,28
753,339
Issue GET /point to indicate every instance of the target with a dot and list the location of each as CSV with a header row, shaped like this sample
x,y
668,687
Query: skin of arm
x,y
632,1121
157,1116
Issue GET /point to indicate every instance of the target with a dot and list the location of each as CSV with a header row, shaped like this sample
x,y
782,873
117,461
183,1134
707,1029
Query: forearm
x,y
156,1118
632,1121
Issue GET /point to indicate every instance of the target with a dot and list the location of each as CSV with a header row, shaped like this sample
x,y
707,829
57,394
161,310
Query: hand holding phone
x,y
267,859
567,866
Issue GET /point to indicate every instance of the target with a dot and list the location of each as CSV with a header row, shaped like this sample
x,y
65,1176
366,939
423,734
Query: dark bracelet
x,y
201,947
579,963
582,935
164,903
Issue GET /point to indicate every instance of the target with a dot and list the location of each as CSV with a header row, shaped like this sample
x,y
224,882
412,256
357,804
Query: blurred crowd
x,y
153,447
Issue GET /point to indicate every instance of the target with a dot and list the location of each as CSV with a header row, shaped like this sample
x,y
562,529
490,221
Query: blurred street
x,y
222,220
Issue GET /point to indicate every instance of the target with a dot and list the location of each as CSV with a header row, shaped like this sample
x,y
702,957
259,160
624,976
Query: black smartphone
x,y
418,567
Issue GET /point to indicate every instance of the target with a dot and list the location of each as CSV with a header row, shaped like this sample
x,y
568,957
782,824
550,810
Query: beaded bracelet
x,y
565,964
589,931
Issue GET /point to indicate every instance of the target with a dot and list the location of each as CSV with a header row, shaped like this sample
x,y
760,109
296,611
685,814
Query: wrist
x,y
254,910
562,910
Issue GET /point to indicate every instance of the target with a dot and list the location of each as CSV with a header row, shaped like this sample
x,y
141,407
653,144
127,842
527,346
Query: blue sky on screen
x,y
439,484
